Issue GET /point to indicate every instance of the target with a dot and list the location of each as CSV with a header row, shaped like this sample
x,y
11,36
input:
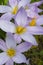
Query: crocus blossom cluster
x,y
12,51
19,33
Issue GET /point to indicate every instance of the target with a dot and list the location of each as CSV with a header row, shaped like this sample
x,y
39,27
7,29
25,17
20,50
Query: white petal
x,y
4,9
29,38
19,58
39,10
31,13
37,3
10,42
21,17
7,26
23,3
17,38
27,62
2,45
39,21
35,30
24,47
9,62
3,58
12,3
7,16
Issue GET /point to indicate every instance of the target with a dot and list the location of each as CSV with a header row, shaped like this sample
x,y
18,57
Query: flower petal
x,y
23,3
31,13
25,46
19,58
7,16
35,9
39,10
3,58
2,45
7,26
37,3
35,30
10,42
39,21
17,38
9,62
29,38
13,3
4,9
27,62
21,17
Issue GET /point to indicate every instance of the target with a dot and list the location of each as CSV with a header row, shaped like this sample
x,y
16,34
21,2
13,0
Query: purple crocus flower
x,y
12,51
11,10
33,10
15,5
35,21
20,29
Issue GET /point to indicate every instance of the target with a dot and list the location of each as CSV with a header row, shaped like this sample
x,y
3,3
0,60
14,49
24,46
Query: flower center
x,y
26,7
33,22
20,30
11,52
15,9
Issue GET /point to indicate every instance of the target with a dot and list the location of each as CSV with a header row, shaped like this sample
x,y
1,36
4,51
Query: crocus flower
x,y
15,5
10,11
33,10
12,52
35,21
20,29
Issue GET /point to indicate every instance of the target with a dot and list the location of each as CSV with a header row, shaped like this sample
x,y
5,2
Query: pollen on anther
x,y
11,52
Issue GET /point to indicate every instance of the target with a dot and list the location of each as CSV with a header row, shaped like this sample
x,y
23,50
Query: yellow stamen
x,y
15,9
26,7
20,30
33,22
11,52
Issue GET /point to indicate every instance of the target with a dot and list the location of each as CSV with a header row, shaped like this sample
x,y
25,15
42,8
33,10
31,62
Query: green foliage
x,y
2,34
35,0
0,1
3,2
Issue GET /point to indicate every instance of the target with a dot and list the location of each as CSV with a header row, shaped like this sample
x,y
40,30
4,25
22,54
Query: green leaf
x,y
2,34
41,52
5,2
34,1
